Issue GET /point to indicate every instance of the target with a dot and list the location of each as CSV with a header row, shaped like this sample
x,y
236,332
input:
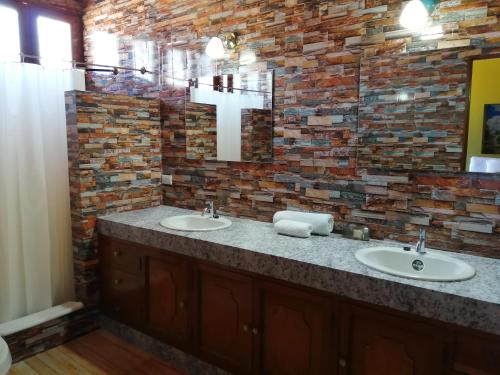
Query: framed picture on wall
x,y
491,130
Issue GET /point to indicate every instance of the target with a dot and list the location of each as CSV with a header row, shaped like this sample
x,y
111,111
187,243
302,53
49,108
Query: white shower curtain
x,y
36,270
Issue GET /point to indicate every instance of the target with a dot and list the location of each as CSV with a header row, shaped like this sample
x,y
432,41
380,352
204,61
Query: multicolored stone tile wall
x,y
412,111
47,335
201,131
256,135
315,48
114,166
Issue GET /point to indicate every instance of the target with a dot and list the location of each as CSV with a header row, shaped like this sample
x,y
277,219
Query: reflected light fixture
x,y
215,48
415,15
217,44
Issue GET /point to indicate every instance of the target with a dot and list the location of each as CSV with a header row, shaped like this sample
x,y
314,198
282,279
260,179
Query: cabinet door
x,y
123,296
122,280
296,331
167,297
224,318
378,343
476,354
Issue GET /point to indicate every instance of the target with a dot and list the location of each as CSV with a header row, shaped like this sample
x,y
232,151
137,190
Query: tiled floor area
x,y
98,353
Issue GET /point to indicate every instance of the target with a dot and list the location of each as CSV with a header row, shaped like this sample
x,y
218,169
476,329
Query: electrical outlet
x,y
166,179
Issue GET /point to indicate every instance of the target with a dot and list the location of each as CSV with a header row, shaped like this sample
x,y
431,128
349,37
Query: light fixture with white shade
x,y
215,48
217,45
414,16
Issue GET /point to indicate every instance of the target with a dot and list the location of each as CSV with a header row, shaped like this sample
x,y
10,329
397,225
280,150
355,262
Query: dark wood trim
x,y
40,4
470,60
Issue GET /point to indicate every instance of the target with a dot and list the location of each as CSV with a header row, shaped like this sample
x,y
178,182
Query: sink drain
x,y
417,265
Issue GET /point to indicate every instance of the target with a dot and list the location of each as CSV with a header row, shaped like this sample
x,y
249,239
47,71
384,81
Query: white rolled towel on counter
x,y
293,228
321,223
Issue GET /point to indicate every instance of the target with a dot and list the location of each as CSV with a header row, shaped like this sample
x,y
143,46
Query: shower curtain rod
x,y
114,69
78,64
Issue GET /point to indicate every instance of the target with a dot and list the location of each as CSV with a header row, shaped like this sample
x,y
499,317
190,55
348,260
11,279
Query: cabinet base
x,y
175,357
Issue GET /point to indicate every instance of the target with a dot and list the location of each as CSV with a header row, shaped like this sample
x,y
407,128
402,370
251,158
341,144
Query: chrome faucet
x,y
420,248
209,210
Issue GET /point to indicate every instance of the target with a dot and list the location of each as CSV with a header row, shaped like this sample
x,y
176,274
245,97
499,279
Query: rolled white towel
x,y
322,223
293,228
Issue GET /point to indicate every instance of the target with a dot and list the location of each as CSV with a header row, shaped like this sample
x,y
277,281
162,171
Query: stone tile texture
x,y
114,166
316,49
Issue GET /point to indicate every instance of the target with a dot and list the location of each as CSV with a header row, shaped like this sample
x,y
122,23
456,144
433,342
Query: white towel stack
x,y
321,224
293,228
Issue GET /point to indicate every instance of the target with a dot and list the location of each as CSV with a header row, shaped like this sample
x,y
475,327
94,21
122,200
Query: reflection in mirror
x,y
412,111
229,117
483,143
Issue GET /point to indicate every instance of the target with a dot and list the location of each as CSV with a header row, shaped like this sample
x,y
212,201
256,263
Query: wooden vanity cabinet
x,y
379,343
294,331
250,324
168,299
224,318
475,353
122,281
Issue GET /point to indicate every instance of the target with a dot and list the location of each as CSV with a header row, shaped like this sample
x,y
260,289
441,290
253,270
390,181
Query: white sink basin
x,y
195,223
430,266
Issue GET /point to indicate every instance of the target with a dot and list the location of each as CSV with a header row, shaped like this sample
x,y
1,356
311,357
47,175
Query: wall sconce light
x,y
415,14
215,48
216,45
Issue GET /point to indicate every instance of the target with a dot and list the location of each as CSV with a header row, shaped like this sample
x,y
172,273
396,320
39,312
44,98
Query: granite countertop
x,y
324,263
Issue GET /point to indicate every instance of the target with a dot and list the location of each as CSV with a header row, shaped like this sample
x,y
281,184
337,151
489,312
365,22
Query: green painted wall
x,y
485,89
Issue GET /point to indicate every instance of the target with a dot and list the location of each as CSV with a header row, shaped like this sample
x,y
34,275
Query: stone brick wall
x,y
256,135
114,165
201,131
28,342
316,48
412,111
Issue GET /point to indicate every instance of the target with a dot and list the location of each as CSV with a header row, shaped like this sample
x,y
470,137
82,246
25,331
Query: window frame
x,y
28,12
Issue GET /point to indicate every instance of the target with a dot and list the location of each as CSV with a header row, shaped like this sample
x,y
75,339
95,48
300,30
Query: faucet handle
x,y
422,233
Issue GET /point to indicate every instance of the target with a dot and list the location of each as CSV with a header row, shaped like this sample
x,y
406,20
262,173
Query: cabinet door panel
x,y
122,296
167,291
225,318
476,353
377,343
296,331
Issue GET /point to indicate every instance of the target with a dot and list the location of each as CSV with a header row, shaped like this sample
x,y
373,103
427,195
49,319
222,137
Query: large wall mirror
x,y
434,111
229,117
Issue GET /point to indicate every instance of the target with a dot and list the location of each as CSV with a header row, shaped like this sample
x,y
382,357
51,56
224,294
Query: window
x,y
30,29
54,42
10,43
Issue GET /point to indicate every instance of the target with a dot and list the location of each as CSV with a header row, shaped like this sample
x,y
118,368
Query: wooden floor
x,y
96,353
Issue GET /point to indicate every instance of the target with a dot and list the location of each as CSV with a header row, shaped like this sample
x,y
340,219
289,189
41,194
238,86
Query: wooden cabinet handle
x,y
246,328
342,362
182,304
117,253
117,281
255,331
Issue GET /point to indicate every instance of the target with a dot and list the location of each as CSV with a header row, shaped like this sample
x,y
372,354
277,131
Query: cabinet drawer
x,y
123,296
121,255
